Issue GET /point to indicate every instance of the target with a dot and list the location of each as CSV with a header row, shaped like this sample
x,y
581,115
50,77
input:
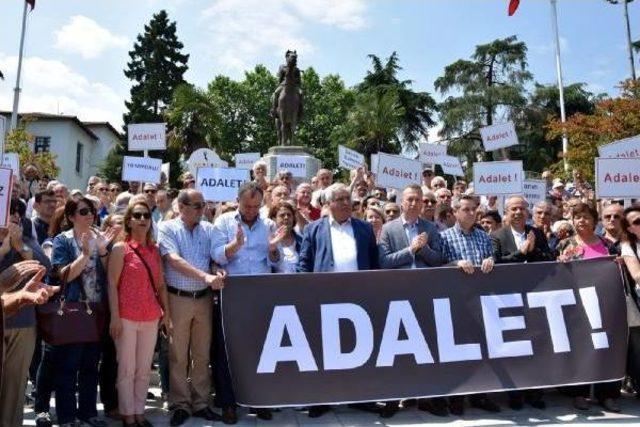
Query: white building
x,y
79,147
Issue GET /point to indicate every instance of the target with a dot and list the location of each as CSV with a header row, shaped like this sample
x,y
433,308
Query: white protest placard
x,y
12,161
3,129
147,136
220,184
297,165
374,163
534,190
625,148
141,169
618,177
348,158
246,160
6,185
204,158
429,153
504,177
450,165
499,136
397,172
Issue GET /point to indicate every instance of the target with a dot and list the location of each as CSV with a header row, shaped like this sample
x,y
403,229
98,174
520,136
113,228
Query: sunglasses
x,y
612,216
196,206
140,215
150,191
429,202
84,212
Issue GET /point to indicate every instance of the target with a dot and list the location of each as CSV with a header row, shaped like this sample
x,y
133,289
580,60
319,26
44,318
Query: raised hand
x,y
419,242
36,292
277,237
16,273
239,240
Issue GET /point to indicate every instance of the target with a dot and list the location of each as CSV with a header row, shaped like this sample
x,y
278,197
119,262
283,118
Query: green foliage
x,y
489,85
21,142
156,67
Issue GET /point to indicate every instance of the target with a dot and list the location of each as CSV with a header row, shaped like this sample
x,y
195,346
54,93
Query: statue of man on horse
x,y
286,102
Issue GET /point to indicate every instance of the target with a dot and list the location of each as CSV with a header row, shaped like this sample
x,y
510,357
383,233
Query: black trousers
x,y
221,376
108,373
601,391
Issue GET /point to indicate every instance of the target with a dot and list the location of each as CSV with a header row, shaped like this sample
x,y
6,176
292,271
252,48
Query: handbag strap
x,y
153,282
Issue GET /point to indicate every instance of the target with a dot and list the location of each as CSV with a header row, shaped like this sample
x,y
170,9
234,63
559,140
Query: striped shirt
x,y
195,247
474,246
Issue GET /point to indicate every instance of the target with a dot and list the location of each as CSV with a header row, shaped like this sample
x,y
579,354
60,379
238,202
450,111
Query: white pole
x,y
563,116
16,93
629,44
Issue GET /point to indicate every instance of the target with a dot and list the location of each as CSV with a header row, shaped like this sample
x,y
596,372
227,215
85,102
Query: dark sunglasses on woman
x,y
84,212
140,215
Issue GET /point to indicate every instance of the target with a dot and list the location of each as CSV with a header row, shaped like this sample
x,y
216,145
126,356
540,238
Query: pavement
x,y
559,411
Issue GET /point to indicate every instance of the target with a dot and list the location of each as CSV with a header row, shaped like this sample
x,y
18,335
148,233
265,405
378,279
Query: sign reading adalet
x,y
348,158
297,165
397,172
618,177
450,165
494,178
246,160
625,148
499,136
220,184
147,136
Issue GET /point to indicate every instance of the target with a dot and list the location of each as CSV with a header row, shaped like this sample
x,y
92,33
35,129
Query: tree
x,y
418,107
612,119
156,67
544,105
489,86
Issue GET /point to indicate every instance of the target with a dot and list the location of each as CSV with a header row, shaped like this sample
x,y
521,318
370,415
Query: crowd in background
x,y
156,259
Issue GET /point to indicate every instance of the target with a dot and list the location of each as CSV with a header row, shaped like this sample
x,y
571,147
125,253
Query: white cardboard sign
x,y
147,136
499,136
204,158
6,185
429,153
450,165
141,169
246,160
12,161
504,177
297,165
625,148
220,184
348,158
534,190
618,177
374,163
397,172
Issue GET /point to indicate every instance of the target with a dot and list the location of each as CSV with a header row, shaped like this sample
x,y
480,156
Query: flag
x,y
31,3
513,6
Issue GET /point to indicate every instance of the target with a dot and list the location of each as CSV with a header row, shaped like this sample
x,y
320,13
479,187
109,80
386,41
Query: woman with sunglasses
x,y
138,302
79,255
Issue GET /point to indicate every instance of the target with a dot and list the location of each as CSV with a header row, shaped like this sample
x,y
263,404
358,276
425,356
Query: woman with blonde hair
x,y
138,302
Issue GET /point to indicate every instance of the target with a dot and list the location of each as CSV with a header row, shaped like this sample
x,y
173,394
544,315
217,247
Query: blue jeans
x,y
77,370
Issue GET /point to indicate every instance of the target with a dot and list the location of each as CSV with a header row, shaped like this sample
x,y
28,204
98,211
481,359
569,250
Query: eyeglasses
x,y
140,215
392,211
611,216
196,206
150,191
113,190
84,212
429,201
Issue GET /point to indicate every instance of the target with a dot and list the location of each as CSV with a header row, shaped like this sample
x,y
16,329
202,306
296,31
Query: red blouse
x,y
136,297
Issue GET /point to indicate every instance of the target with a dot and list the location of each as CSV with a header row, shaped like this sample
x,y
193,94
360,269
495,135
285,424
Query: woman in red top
x,y
138,301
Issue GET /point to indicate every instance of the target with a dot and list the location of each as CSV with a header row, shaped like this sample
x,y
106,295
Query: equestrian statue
x,y
286,101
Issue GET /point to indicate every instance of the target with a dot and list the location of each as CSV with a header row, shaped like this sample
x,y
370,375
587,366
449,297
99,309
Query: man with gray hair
x,y
186,246
324,178
337,242
518,242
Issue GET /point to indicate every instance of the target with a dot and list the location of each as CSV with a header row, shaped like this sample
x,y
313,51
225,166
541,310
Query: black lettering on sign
x,y
1,190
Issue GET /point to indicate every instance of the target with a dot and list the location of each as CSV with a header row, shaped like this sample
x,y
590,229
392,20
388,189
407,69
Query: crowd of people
x,y
156,258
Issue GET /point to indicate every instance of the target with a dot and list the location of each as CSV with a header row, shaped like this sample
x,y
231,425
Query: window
x,y
43,144
79,158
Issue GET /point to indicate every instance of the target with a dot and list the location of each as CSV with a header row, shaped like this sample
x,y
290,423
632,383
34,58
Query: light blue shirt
x,y
195,247
252,258
411,230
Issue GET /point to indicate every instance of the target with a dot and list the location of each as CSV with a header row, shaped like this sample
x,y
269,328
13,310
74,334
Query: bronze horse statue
x,y
288,111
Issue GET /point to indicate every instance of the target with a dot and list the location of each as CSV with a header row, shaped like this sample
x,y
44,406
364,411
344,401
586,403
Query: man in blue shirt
x,y
468,247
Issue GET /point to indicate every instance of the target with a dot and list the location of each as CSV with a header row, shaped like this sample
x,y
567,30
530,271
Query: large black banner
x,y
377,335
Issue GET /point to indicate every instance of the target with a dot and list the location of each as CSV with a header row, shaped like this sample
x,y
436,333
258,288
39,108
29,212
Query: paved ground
x,y
558,412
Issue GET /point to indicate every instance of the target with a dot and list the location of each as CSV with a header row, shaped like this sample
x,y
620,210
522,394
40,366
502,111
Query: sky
x,y
76,50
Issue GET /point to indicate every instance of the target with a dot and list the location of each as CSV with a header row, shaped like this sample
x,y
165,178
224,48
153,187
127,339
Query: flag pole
x,y
563,116
629,44
16,93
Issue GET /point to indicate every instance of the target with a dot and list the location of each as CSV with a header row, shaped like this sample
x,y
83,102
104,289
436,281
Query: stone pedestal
x,y
312,164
